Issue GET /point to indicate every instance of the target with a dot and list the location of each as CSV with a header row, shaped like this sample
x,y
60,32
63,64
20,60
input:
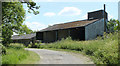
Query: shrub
x,y
36,45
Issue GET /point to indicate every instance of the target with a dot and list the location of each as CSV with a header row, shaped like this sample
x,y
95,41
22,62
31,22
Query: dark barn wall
x,y
49,36
39,35
97,14
63,34
77,33
74,33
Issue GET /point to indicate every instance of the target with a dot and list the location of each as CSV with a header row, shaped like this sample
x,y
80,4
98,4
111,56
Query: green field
x,y
103,50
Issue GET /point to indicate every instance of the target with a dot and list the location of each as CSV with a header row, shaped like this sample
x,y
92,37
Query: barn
x,y
25,39
87,29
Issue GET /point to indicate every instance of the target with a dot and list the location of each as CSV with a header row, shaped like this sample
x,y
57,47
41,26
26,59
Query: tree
x,y
113,25
25,30
13,15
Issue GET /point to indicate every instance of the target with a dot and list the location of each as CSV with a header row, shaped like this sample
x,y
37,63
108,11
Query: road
x,y
59,57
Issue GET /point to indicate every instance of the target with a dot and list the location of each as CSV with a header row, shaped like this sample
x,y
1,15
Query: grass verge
x,y
31,59
17,55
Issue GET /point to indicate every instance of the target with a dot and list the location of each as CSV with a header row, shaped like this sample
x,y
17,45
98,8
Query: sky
x,y
61,12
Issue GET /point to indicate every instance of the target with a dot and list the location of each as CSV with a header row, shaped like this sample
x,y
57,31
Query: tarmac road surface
x,y
59,57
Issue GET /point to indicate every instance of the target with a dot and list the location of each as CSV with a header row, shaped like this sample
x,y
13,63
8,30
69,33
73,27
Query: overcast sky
x,y
61,12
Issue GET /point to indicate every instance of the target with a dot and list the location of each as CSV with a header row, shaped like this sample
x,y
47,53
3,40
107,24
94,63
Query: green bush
x,y
36,45
103,50
29,45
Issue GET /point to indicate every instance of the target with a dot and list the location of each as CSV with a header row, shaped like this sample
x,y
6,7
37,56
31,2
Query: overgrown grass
x,y
31,59
104,50
16,55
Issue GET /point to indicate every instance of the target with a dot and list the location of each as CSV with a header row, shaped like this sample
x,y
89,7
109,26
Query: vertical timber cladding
x,y
49,36
77,33
39,35
64,33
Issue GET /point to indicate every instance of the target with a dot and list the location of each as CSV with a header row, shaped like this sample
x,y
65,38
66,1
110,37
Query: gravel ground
x,y
59,57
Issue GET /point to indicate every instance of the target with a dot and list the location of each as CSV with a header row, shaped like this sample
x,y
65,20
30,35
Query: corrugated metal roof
x,y
69,25
25,36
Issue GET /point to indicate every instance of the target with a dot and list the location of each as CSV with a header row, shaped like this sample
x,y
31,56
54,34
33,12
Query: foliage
x,y
32,6
102,51
3,49
13,15
36,45
25,30
112,25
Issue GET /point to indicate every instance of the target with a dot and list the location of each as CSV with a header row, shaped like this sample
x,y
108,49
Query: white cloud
x,y
49,14
70,11
35,25
28,17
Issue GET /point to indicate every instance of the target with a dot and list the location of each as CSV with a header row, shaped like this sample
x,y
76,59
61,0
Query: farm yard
x,y
59,33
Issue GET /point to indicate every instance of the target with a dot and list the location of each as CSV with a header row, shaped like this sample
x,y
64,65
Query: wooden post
x,y
69,32
56,35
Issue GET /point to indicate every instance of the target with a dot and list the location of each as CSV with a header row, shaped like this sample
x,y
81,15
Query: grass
x,y
31,59
17,55
101,51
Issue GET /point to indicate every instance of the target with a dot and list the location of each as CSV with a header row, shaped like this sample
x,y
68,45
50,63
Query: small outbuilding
x,y
25,39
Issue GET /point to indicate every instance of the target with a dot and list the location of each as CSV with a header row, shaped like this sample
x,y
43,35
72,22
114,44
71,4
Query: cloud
x,y
70,11
28,17
49,14
35,25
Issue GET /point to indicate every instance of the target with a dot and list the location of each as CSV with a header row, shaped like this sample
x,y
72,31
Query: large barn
x,y
86,29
